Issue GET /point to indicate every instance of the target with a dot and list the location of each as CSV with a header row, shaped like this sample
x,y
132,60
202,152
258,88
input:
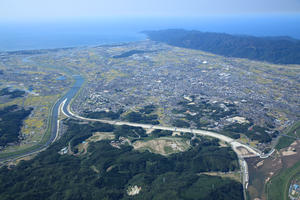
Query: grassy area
x,y
112,74
284,142
37,126
24,149
79,91
97,136
21,149
163,145
278,186
294,131
47,134
232,175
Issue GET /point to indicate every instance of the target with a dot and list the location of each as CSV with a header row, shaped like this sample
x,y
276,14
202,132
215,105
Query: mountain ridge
x,y
277,50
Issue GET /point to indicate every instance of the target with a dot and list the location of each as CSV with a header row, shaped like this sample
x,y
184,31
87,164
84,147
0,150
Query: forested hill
x,y
278,50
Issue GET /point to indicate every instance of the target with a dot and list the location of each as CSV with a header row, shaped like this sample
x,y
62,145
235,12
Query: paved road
x,y
66,110
54,125
234,144
63,105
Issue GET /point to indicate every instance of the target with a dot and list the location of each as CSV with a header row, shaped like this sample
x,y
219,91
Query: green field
x,y
286,141
278,186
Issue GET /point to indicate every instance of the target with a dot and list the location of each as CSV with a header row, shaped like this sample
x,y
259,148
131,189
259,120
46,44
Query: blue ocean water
x,y
58,34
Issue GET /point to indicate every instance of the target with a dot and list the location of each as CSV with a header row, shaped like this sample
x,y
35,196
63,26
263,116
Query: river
x,y
79,80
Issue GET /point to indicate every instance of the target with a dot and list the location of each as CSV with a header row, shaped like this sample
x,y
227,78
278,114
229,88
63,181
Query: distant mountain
x,y
278,50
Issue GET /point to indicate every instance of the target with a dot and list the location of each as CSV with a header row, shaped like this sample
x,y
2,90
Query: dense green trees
x,y
104,115
130,53
148,109
11,120
254,132
142,118
161,133
181,123
202,109
281,50
129,131
106,172
12,94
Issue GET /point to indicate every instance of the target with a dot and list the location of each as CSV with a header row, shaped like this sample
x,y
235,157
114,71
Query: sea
x,y
28,35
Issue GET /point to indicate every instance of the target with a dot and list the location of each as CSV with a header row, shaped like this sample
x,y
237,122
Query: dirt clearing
x,y
163,146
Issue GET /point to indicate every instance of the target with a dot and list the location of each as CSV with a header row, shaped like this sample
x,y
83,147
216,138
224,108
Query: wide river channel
x,y
79,80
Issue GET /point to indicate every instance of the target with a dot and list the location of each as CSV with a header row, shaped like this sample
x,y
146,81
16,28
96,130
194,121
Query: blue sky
x,y
72,9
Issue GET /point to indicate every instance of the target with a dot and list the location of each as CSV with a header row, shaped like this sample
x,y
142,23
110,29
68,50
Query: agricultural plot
x,y
217,91
30,85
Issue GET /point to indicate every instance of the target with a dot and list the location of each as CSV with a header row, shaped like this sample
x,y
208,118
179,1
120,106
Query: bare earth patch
x,y
163,146
237,119
232,175
97,136
244,152
16,162
149,131
176,133
261,171
291,150
133,190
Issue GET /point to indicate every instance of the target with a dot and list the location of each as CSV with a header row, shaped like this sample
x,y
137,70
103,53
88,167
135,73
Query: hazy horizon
x,y
73,33
34,24
36,10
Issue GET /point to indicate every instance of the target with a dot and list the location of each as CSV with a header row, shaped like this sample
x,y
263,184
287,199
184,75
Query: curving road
x,y
65,109
235,144
54,123
63,105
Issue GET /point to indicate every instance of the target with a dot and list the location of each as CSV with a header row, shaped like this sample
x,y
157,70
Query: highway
x,y
235,144
63,106
65,109
53,125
